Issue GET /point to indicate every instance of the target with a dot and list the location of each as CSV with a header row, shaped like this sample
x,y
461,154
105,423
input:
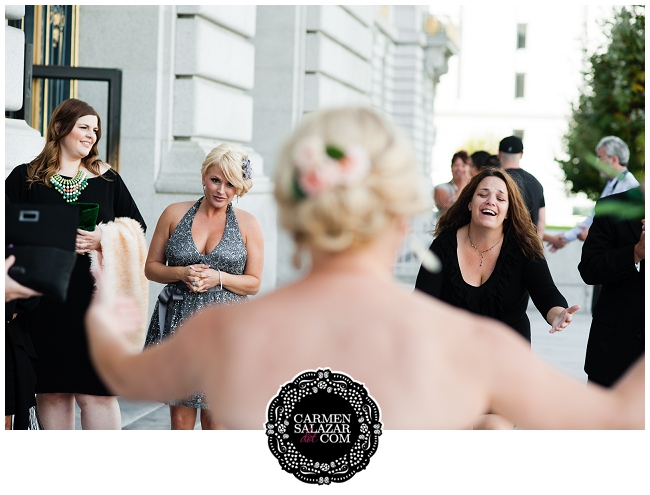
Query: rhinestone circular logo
x,y
323,427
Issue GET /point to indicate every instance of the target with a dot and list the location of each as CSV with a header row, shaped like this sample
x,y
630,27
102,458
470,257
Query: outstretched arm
x,y
559,317
534,395
163,372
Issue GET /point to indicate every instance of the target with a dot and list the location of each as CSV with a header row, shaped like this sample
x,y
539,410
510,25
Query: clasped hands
x,y
200,278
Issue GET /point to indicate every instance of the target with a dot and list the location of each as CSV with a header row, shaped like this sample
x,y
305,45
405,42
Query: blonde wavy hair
x,y
342,218
229,157
63,120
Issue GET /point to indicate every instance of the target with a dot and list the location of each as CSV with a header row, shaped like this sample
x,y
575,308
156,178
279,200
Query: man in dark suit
x,y
614,255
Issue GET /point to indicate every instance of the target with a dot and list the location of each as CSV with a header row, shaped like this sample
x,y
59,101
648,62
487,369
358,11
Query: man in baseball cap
x,y
511,149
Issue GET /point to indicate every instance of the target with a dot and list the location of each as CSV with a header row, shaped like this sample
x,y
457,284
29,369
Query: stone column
x,y
22,143
308,57
420,60
187,73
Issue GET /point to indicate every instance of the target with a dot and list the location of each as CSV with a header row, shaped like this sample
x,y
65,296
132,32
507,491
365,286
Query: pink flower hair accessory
x,y
321,166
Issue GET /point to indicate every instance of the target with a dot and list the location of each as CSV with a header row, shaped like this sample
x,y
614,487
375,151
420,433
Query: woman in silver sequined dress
x,y
207,252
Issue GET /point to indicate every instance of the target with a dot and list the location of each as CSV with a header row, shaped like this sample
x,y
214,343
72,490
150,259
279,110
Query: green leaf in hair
x,y
334,152
296,191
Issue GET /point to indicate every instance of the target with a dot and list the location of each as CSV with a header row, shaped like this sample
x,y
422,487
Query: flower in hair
x,y
322,166
247,170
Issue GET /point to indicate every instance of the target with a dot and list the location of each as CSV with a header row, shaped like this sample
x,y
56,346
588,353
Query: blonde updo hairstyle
x,y
229,158
347,217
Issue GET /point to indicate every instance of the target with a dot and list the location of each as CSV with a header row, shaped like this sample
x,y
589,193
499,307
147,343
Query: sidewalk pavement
x,y
564,350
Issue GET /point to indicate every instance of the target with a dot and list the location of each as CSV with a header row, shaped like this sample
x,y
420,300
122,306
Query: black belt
x,y
171,293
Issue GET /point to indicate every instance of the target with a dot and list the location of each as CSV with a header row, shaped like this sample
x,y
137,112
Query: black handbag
x,y
42,238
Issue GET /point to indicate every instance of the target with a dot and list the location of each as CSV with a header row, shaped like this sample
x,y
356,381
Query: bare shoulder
x,y
459,332
104,167
247,221
174,212
177,209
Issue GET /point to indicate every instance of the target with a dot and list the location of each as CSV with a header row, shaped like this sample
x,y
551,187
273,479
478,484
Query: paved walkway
x,y
564,350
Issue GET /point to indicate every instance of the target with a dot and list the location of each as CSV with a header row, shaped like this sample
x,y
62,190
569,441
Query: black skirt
x,y
20,377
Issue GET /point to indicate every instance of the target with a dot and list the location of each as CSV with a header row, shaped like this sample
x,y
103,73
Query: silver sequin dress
x,y
228,256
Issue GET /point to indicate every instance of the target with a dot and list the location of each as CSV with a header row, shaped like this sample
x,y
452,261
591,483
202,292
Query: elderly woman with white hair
x,y
208,253
346,185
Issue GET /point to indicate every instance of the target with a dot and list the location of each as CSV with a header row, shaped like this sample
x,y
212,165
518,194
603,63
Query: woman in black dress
x,y
492,259
63,369
20,378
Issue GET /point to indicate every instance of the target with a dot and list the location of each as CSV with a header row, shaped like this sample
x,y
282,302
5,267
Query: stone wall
x,y
22,143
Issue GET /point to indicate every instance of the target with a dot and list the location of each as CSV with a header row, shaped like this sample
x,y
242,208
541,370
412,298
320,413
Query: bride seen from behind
x,y
346,185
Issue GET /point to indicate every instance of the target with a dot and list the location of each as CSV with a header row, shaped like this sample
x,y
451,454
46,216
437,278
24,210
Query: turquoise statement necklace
x,y
70,189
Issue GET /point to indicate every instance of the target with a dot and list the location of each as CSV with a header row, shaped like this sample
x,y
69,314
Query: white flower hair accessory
x,y
322,166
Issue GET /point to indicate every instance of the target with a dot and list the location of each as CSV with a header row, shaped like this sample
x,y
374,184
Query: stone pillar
x,y
22,143
338,56
278,102
383,60
307,57
187,72
421,58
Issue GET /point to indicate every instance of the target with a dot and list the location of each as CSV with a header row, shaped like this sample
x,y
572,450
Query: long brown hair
x,y
519,226
63,120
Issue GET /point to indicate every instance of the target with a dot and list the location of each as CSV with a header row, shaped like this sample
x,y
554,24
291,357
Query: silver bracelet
x,y
220,281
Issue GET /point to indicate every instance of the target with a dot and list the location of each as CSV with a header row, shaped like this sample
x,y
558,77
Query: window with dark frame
x,y
521,36
519,85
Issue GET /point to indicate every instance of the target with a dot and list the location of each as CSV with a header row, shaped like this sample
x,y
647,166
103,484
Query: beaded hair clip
x,y
321,166
247,170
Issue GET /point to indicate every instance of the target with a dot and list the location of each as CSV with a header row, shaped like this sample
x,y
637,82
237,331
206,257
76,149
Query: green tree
x,y
612,103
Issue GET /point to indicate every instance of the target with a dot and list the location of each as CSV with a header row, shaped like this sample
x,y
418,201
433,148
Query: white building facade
x,y
517,72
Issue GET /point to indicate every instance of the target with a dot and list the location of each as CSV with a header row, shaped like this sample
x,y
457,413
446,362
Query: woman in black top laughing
x,y
492,259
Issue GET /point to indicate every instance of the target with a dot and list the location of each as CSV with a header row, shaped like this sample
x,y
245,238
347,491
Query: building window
x,y
519,133
521,36
519,85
